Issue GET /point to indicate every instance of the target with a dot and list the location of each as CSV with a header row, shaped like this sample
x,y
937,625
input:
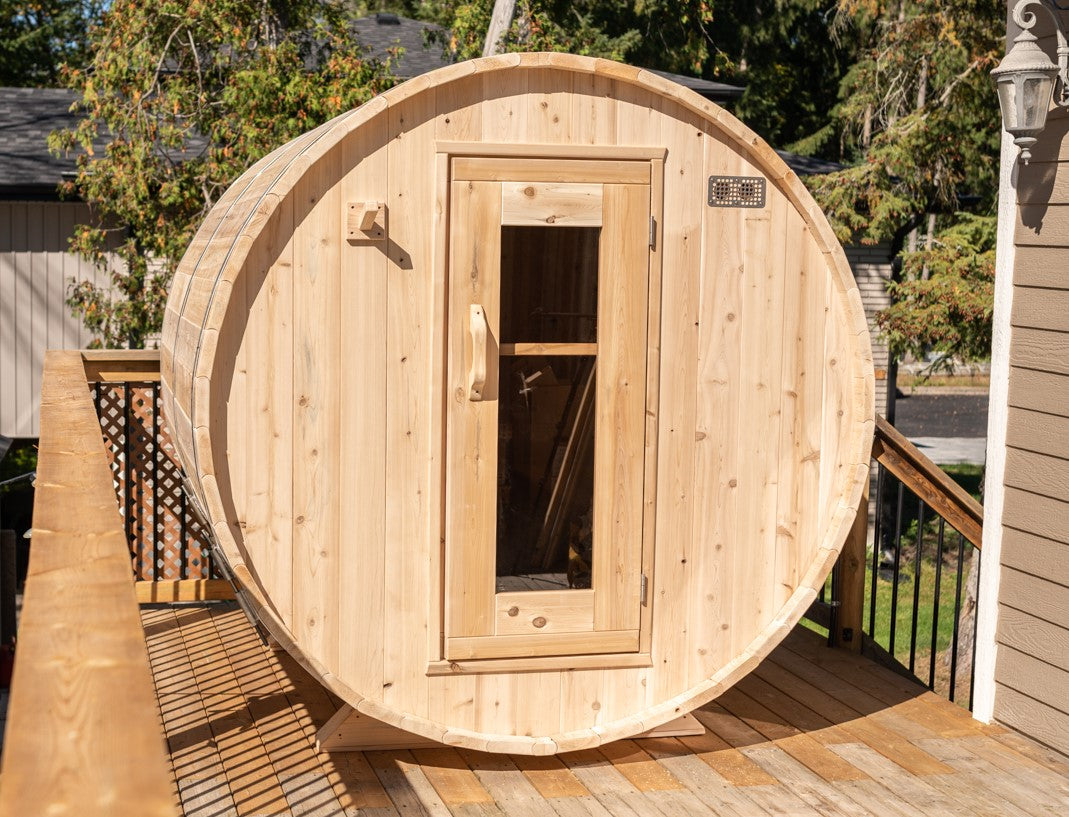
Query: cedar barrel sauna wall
x,y
305,379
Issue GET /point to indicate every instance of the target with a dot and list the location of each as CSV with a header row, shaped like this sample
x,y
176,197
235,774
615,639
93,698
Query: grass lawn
x,y
906,381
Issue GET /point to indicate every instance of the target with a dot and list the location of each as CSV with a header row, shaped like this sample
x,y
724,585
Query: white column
x,y
998,410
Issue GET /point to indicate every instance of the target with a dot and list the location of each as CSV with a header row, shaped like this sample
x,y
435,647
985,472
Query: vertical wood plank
x,y
592,110
549,105
410,454
681,255
718,411
620,406
504,115
762,349
316,401
269,410
835,405
473,432
363,287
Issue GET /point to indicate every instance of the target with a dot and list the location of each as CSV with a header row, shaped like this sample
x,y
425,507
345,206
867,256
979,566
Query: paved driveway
x,y
949,428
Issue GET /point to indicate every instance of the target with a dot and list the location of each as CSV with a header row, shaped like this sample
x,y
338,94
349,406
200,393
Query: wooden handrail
x,y
83,734
115,365
928,481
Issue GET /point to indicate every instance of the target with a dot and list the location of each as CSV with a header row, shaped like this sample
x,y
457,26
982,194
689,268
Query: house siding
x,y
1031,672
36,269
872,271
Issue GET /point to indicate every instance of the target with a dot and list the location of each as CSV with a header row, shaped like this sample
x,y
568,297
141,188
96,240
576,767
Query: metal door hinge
x,y
643,589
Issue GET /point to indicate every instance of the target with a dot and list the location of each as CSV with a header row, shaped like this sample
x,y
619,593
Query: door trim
x,y
606,156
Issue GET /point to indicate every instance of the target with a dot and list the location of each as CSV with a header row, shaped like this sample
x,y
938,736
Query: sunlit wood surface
x,y
812,731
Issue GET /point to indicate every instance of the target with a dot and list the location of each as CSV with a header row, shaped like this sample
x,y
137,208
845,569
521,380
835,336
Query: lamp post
x,y
1026,77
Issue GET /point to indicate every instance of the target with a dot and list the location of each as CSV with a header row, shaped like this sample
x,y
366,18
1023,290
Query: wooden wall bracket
x,y
365,221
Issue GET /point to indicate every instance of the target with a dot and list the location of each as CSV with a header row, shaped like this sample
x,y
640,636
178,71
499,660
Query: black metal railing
x,y
924,568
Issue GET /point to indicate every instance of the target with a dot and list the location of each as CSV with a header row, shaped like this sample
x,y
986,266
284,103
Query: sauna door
x,y
547,354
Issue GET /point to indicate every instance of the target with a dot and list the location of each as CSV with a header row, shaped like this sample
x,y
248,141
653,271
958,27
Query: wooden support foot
x,y
685,726
351,731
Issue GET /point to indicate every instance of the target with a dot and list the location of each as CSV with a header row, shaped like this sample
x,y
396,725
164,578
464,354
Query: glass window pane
x,y
545,479
549,284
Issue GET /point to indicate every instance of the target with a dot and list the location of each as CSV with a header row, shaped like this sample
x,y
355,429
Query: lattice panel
x,y
167,538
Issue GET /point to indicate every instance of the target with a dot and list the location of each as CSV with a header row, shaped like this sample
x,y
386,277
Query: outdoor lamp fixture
x,y
1025,78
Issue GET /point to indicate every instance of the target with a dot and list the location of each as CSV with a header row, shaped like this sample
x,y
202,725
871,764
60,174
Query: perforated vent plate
x,y
736,191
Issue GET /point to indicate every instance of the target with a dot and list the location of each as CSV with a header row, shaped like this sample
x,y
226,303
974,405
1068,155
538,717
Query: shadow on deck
x,y
813,731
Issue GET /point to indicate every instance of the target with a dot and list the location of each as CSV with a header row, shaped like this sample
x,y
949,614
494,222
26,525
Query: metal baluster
x,y
894,575
916,586
876,545
938,598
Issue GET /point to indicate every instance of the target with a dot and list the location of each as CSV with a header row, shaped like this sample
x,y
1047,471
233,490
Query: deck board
x,y
812,731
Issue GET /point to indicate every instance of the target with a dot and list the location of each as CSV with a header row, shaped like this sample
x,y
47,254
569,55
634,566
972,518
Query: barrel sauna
x,y
530,403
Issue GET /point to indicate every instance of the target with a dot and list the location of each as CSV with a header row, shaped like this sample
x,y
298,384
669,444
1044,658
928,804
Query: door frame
x,y
623,164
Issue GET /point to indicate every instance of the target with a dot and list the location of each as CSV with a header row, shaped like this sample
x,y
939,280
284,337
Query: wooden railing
x,y
928,481
912,494
83,734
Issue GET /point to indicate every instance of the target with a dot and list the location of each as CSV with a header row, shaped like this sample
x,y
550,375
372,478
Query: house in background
x,y
36,267
35,264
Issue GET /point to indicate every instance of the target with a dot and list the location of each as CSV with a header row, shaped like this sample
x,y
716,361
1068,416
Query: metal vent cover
x,y
736,191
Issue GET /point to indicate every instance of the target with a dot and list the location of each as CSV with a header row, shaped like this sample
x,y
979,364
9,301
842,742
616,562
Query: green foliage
x,y
945,298
791,62
919,123
190,94
593,28
20,459
782,51
38,36
922,87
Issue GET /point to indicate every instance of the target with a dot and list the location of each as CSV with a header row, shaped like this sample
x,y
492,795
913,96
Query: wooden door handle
x,y
477,374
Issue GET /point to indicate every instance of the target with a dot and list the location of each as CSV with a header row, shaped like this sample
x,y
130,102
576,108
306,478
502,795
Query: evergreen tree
x,y
39,36
919,122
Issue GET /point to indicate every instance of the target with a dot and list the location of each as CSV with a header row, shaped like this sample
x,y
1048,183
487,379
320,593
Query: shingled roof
x,y
27,116
423,44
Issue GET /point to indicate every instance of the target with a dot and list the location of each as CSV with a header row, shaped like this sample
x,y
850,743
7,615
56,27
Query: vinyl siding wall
x,y
1032,661
872,271
35,271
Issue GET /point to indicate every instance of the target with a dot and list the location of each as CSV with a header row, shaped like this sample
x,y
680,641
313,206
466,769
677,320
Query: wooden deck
x,y
813,731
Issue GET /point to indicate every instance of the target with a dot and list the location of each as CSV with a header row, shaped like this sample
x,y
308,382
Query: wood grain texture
x,y
739,769
80,639
730,398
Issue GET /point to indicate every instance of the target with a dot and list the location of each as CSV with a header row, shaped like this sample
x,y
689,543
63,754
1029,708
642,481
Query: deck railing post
x,y
851,586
